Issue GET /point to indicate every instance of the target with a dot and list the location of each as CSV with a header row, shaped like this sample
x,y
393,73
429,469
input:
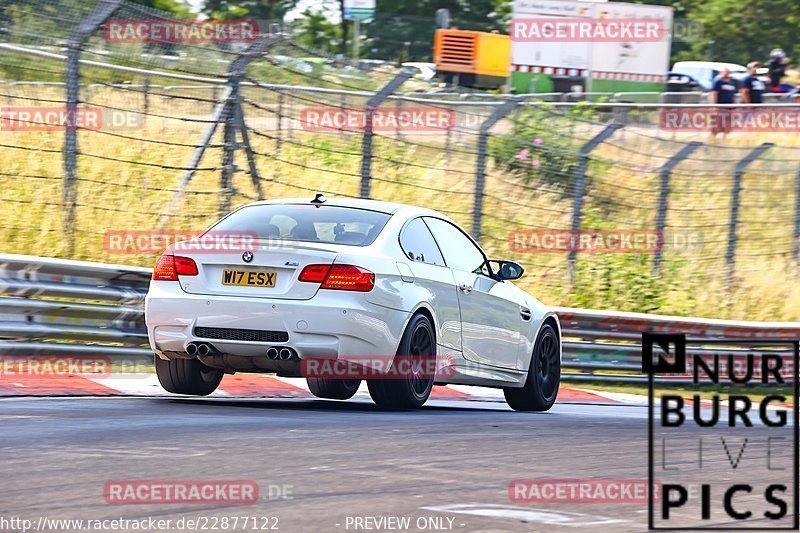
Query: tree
x,y
316,31
272,10
175,7
743,33
408,25
736,32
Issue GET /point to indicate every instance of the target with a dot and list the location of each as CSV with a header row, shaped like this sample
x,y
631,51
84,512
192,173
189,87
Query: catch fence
x,y
603,202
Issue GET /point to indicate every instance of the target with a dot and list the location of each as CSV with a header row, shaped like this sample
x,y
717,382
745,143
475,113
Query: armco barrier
x,y
60,307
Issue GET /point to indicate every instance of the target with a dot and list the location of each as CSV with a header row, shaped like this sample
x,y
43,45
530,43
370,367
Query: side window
x,y
460,253
418,244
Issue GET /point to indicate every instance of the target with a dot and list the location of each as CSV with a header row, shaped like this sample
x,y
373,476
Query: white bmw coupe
x,y
356,281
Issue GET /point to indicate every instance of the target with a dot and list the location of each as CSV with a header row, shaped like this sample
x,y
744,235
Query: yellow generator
x,y
472,58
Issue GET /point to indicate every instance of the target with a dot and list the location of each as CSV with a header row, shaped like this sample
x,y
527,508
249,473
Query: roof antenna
x,y
319,199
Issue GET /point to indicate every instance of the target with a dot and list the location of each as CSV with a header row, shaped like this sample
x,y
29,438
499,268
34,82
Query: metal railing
x,y
605,345
60,307
74,308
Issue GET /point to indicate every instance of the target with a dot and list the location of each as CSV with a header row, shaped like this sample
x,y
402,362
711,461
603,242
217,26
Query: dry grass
x,y
125,185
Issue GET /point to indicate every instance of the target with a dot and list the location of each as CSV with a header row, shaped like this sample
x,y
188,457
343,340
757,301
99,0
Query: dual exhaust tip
x,y
200,348
276,354
283,354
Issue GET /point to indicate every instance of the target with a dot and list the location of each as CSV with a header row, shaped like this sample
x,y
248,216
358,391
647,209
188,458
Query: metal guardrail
x,y
59,307
608,342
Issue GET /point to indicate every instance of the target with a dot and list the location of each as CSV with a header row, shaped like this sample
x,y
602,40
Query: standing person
x,y
752,87
723,91
777,69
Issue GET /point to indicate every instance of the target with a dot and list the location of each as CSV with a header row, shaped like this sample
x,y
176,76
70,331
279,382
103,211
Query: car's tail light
x,y
185,266
339,277
314,273
169,267
349,278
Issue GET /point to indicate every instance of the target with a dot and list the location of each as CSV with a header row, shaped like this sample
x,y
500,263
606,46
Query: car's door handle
x,y
466,289
525,313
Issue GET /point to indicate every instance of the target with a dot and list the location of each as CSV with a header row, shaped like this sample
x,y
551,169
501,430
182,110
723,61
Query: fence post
x,y
663,199
279,132
796,234
754,154
398,110
233,118
214,98
229,147
366,144
580,189
228,111
289,116
343,110
197,156
480,164
448,141
147,82
87,26
248,149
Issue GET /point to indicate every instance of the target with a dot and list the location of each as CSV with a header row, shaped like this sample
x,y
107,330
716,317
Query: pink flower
x,y
536,163
524,154
538,140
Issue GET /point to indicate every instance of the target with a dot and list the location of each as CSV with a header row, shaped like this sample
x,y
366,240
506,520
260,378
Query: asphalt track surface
x,y
448,464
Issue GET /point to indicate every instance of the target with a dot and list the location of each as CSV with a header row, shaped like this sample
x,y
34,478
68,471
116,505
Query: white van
x,y
704,72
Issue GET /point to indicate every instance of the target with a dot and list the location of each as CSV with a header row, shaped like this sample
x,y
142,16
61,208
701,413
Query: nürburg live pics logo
x,y
722,433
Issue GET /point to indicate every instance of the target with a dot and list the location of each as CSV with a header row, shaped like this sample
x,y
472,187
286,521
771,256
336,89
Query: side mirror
x,y
509,270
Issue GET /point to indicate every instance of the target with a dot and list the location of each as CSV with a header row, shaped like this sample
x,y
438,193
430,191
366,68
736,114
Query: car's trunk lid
x,y
283,261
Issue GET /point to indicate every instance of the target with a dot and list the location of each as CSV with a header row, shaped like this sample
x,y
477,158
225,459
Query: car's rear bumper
x,y
332,323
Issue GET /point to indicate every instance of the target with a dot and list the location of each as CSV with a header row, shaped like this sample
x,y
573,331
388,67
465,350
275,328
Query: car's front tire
x,y
187,376
544,375
417,347
333,389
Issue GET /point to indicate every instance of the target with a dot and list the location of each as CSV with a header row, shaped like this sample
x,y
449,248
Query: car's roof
x,y
356,203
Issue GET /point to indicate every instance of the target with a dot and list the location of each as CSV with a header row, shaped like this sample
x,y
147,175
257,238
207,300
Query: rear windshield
x,y
307,223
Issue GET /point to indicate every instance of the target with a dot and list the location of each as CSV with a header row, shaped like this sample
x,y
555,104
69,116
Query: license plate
x,y
249,278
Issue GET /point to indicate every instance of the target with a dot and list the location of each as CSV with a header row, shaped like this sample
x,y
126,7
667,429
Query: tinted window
x,y
418,244
307,223
459,251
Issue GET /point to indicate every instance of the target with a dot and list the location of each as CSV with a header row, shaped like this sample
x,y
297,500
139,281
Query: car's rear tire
x,y
187,376
544,375
418,346
333,389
